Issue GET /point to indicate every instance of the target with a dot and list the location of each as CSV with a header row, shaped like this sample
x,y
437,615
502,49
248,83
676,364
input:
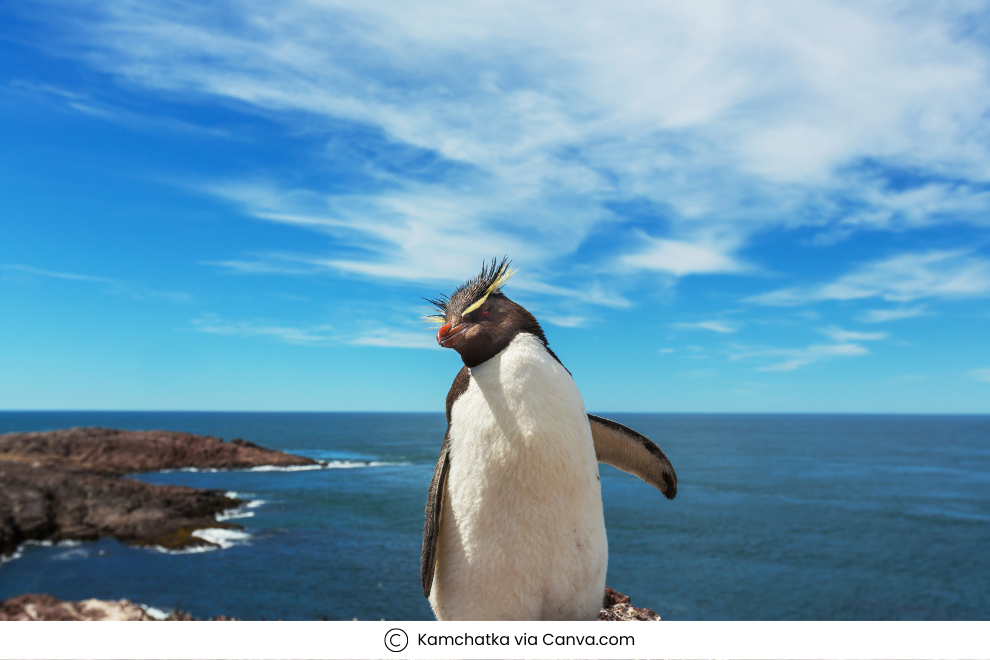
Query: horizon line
x,y
440,412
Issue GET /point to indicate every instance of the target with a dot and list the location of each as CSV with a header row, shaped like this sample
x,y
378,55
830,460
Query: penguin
x,y
514,525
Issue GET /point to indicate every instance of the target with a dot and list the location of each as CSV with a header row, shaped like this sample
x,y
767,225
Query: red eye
x,y
484,313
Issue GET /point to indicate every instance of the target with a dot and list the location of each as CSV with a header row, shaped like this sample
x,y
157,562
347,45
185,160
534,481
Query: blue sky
x,y
717,208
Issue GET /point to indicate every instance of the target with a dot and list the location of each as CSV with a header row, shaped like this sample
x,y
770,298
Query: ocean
x,y
777,517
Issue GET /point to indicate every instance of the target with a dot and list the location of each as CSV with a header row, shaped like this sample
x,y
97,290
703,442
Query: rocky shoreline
x,y
70,485
42,607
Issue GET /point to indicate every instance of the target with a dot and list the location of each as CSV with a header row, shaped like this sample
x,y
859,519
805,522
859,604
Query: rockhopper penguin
x,y
514,525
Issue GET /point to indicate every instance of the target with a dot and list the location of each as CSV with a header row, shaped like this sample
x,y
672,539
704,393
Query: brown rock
x,y
120,452
616,607
61,503
42,607
66,484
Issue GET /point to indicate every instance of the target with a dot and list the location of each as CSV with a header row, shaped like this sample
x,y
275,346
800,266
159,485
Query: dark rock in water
x,y
66,485
41,502
616,607
42,607
120,452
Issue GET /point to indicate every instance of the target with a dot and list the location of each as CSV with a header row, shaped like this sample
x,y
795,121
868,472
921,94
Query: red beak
x,y
449,337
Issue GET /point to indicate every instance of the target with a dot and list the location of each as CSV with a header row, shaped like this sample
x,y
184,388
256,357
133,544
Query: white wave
x,y
260,468
286,468
234,514
191,550
359,464
155,612
18,553
239,512
221,539
19,550
72,554
321,465
225,538
49,544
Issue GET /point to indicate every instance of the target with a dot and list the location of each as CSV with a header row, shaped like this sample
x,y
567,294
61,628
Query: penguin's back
x,y
522,535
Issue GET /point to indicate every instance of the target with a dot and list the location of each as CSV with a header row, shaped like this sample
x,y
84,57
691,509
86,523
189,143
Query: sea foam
x,y
155,613
225,538
322,465
241,511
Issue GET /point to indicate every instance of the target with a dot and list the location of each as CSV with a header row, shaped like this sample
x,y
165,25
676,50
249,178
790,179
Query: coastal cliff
x,y
68,485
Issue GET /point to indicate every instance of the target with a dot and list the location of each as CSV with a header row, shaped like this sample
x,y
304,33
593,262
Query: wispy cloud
x,y
799,357
904,278
893,314
396,339
840,335
314,335
213,324
541,124
681,258
86,104
55,274
714,326
981,374
269,264
565,321
113,286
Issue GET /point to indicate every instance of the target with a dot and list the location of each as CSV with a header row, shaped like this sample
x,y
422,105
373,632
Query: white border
x,y
357,640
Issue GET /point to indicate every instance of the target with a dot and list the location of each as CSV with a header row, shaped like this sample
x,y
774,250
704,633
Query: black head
x,y
479,320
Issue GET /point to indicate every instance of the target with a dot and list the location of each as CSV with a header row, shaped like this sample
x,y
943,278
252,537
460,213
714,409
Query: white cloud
x,y
981,374
59,275
213,324
904,278
799,357
714,326
113,286
396,339
840,335
316,335
893,314
730,118
681,258
565,321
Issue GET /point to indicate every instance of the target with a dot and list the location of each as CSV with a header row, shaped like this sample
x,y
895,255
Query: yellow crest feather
x,y
433,318
499,281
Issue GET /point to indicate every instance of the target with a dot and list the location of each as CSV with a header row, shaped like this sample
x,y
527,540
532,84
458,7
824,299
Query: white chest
x,y
522,532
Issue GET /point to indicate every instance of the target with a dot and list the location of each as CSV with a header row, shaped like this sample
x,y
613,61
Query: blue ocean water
x,y
776,517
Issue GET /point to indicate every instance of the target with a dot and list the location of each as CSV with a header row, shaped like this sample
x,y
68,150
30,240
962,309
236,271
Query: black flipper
x,y
431,530
434,499
632,452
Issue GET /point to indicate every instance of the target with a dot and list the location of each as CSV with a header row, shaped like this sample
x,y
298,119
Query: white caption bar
x,y
357,640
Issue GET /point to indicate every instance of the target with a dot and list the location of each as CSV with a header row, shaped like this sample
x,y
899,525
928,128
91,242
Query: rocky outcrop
x,y
618,608
119,452
41,502
42,607
67,485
